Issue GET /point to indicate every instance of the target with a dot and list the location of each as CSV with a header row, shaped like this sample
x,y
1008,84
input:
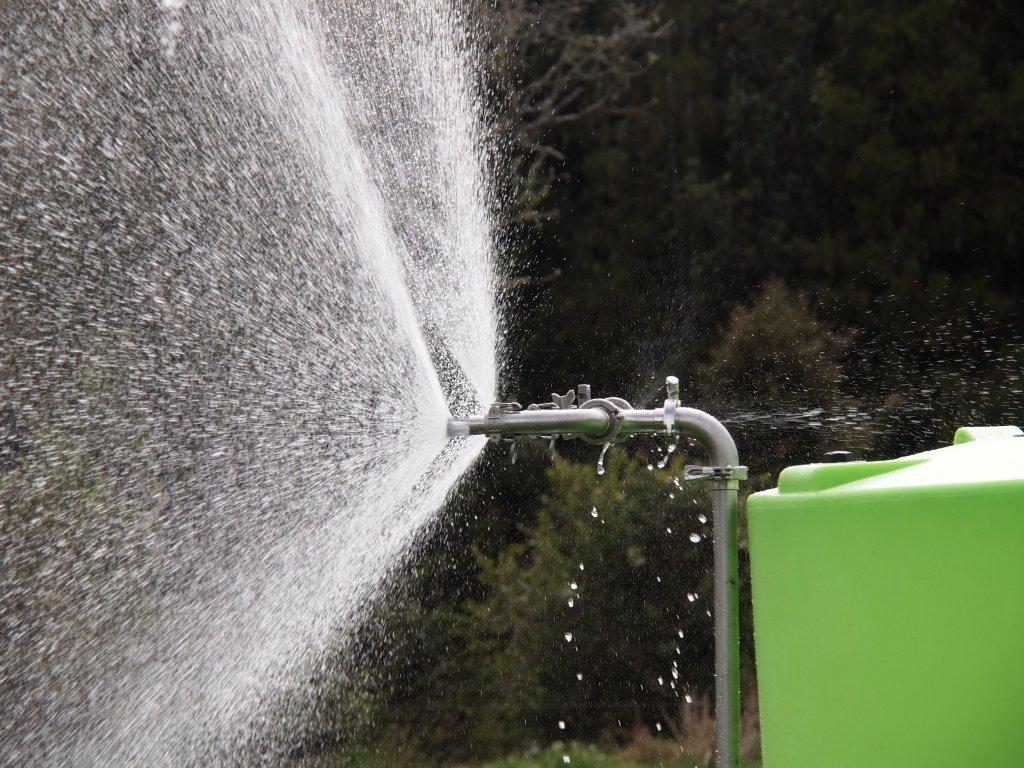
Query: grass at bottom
x,y
582,756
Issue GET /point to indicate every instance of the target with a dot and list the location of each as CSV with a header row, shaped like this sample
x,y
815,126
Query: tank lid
x,y
970,434
978,455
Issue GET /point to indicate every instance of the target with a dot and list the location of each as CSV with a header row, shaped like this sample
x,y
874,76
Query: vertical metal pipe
x,y
724,495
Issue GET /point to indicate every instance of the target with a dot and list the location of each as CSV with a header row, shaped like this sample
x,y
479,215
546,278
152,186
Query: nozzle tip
x,y
458,428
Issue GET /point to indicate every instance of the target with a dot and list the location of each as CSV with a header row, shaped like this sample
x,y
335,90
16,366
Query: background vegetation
x,y
812,212
809,210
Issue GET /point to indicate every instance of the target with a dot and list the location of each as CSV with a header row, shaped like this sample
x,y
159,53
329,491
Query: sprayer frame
x,y
611,419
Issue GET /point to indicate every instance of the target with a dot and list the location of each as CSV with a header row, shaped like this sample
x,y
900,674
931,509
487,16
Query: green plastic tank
x,y
889,609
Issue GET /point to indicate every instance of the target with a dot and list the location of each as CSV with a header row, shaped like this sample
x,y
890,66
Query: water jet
x,y
223,225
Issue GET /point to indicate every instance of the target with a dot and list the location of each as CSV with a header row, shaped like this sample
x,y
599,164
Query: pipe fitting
x,y
615,419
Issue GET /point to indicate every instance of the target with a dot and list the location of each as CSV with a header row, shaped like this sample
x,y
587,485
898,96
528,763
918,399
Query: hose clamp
x,y
695,472
615,419
495,419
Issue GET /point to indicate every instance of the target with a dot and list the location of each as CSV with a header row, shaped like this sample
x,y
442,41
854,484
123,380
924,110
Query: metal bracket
x,y
564,401
560,403
696,472
495,418
671,403
504,408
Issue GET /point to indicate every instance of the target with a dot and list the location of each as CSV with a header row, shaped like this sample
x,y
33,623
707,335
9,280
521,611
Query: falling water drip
x,y
670,448
600,459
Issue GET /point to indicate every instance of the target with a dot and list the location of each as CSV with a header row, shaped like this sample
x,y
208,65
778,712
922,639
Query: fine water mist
x,y
247,273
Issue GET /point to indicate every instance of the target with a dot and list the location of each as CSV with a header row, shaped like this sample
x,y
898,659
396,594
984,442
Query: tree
x,y
920,168
776,377
600,620
557,63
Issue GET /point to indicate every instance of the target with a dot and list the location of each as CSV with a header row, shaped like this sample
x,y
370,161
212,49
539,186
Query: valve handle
x,y
671,402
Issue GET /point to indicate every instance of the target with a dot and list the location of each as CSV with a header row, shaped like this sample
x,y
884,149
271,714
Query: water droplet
x,y
689,699
579,675
670,449
581,566
658,726
568,637
571,602
561,725
600,459
572,585
593,512
695,537
566,759
702,518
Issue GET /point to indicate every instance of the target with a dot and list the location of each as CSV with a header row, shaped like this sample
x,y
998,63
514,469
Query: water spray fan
x,y
605,420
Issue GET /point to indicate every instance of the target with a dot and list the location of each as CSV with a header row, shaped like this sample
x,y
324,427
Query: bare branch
x,y
560,62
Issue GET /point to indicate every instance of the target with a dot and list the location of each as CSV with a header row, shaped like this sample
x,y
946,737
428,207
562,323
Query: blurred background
x,y
809,211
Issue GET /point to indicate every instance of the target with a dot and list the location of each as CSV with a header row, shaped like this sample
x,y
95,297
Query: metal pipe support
x,y
604,420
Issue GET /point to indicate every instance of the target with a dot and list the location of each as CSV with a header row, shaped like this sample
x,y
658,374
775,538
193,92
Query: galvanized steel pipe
x,y
613,418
